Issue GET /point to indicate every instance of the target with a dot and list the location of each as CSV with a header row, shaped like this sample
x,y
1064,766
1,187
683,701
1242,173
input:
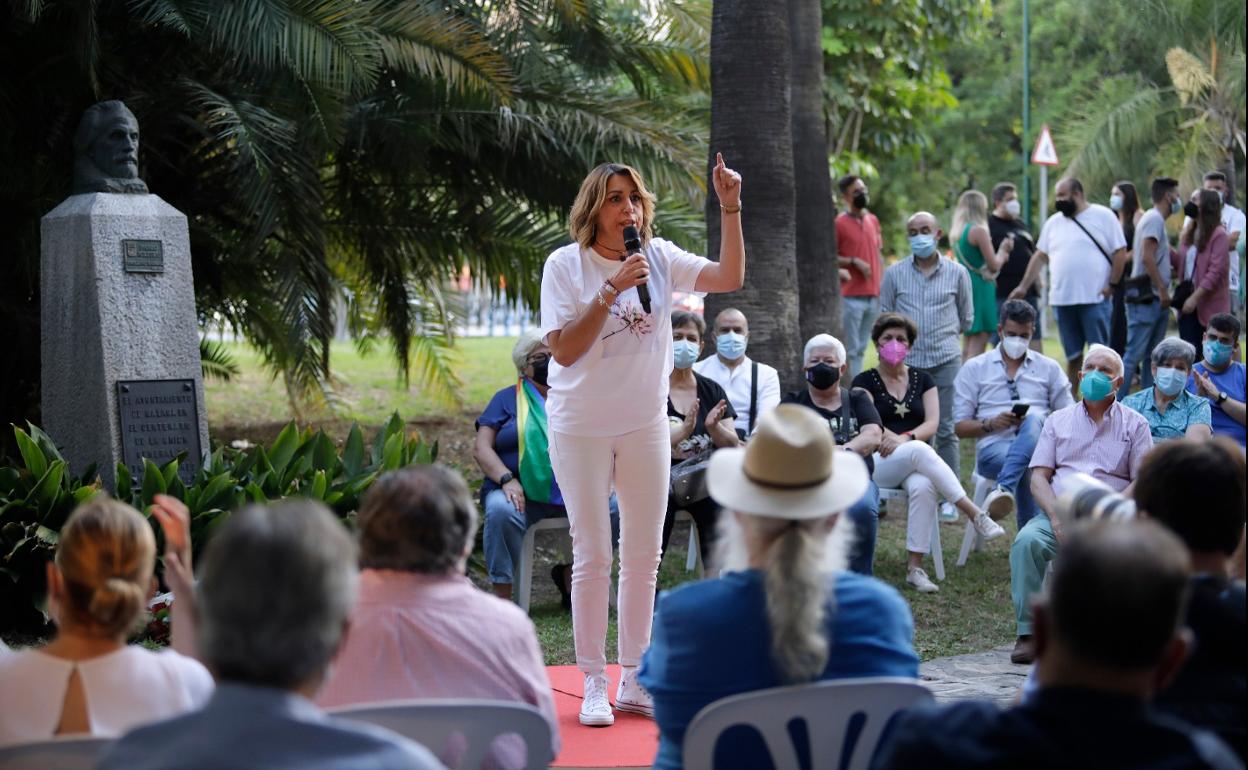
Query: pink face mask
x,y
893,352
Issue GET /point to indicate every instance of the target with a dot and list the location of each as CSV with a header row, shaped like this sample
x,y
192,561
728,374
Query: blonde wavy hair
x,y
106,555
583,222
972,209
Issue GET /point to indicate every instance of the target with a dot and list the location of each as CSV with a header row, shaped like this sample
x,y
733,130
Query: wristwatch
x,y
1221,397
508,476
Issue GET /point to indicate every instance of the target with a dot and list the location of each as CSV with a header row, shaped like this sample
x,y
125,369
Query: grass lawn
x,y
972,611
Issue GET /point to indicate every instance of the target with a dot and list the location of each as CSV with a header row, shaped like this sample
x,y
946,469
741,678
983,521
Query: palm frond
x,y
216,362
423,38
1109,139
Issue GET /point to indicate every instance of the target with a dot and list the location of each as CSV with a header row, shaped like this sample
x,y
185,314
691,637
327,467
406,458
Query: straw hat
x,y
790,469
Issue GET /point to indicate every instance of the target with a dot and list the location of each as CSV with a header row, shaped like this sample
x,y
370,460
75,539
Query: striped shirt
x,y
939,304
1071,442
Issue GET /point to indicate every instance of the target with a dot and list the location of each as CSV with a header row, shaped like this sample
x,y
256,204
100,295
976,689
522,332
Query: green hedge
x,y
38,495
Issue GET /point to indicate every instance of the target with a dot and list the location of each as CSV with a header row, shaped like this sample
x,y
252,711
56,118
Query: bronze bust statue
x,y
106,151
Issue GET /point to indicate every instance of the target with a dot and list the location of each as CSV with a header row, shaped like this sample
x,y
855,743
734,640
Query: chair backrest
x,y
434,722
68,753
844,719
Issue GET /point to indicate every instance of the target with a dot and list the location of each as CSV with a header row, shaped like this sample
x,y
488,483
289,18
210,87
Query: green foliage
x,y
37,496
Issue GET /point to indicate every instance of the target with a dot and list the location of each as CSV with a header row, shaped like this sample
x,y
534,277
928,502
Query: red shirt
x,y
860,238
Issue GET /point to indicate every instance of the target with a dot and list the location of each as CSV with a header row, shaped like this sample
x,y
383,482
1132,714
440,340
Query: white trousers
x,y
915,467
639,464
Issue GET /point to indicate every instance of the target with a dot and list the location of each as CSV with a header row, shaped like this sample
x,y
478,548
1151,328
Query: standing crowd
x,y
1134,622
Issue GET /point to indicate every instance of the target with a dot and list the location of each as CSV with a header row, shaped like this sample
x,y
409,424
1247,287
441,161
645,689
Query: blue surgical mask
x,y
1170,380
922,246
1115,202
1217,352
1096,385
1176,206
730,345
684,353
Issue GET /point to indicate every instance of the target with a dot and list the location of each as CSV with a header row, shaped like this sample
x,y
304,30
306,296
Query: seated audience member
x,y
1107,637
783,612
753,388
1220,377
1097,436
909,407
856,426
519,488
987,390
1171,411
701,420
420,628
274,597
87,679
1207,477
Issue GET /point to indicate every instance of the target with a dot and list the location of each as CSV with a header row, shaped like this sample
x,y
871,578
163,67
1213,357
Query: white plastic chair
x,y
433,722
73,752
971,539
523,589
828,708
938,558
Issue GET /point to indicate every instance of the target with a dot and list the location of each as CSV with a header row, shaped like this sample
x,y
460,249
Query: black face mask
x,y
541,369
1066,207
1192,210
860,200
823,376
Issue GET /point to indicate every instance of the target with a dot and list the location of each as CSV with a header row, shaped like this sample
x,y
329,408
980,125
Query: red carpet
x,y
631,742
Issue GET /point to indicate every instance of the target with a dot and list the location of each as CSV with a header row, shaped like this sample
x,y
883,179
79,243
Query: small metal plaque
x,y
143,256
159,421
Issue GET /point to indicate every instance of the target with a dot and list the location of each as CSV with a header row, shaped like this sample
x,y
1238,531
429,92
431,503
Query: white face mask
x,y
1014,347
1014,208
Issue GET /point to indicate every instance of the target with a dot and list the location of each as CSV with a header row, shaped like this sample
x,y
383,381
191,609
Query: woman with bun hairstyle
x,y
87,679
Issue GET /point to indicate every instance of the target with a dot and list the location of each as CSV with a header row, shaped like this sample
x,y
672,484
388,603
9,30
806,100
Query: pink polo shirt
x,y
1071,442
438,636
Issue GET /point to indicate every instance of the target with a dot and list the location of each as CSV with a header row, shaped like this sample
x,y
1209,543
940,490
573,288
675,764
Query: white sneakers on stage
x,y
631,696
595,708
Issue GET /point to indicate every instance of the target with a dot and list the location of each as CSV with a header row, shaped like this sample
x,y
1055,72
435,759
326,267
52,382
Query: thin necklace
x,y
620,253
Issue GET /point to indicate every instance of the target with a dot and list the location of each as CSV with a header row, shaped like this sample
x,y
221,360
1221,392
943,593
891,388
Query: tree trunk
x,y
819,285
750,125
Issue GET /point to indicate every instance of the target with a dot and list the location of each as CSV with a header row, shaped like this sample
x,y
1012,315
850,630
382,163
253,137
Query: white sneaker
x,y
631,696
986,527
947,511
998,504
595,708
921,582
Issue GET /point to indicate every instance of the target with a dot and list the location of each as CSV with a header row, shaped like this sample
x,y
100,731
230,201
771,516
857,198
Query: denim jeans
x,y
1146,326
1080,325
1007,461
865,514
946,440
504,528
858,314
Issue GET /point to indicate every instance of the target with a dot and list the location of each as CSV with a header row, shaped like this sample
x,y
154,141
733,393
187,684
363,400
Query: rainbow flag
x,y
536,475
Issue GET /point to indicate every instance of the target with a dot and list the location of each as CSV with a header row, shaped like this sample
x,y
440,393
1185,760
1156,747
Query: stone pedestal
x,y
116,307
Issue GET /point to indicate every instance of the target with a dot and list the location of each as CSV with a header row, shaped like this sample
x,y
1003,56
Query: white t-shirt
x,y
126,688
1077,268
1233,221
620,384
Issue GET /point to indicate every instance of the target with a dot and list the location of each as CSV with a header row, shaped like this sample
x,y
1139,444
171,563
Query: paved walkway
x,y
984,675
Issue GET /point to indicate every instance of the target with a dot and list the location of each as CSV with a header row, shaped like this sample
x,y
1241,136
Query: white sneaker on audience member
x,y
986,527
999,503
631,696
948,511
595,708
921,582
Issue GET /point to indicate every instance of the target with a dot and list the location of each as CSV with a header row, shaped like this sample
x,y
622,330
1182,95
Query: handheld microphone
x,y
632,245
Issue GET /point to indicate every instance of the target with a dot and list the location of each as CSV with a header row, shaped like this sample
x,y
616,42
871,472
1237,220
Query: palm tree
x,y
376,146
819,284
1183,129
750,125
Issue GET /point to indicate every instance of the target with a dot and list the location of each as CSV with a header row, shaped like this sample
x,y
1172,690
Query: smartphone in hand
x,y
1020,409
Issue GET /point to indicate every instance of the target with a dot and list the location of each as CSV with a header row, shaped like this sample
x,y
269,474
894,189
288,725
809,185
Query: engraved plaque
x,y
159,421
143,256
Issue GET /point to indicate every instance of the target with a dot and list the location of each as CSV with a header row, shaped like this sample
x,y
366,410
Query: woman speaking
x,y
607,404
